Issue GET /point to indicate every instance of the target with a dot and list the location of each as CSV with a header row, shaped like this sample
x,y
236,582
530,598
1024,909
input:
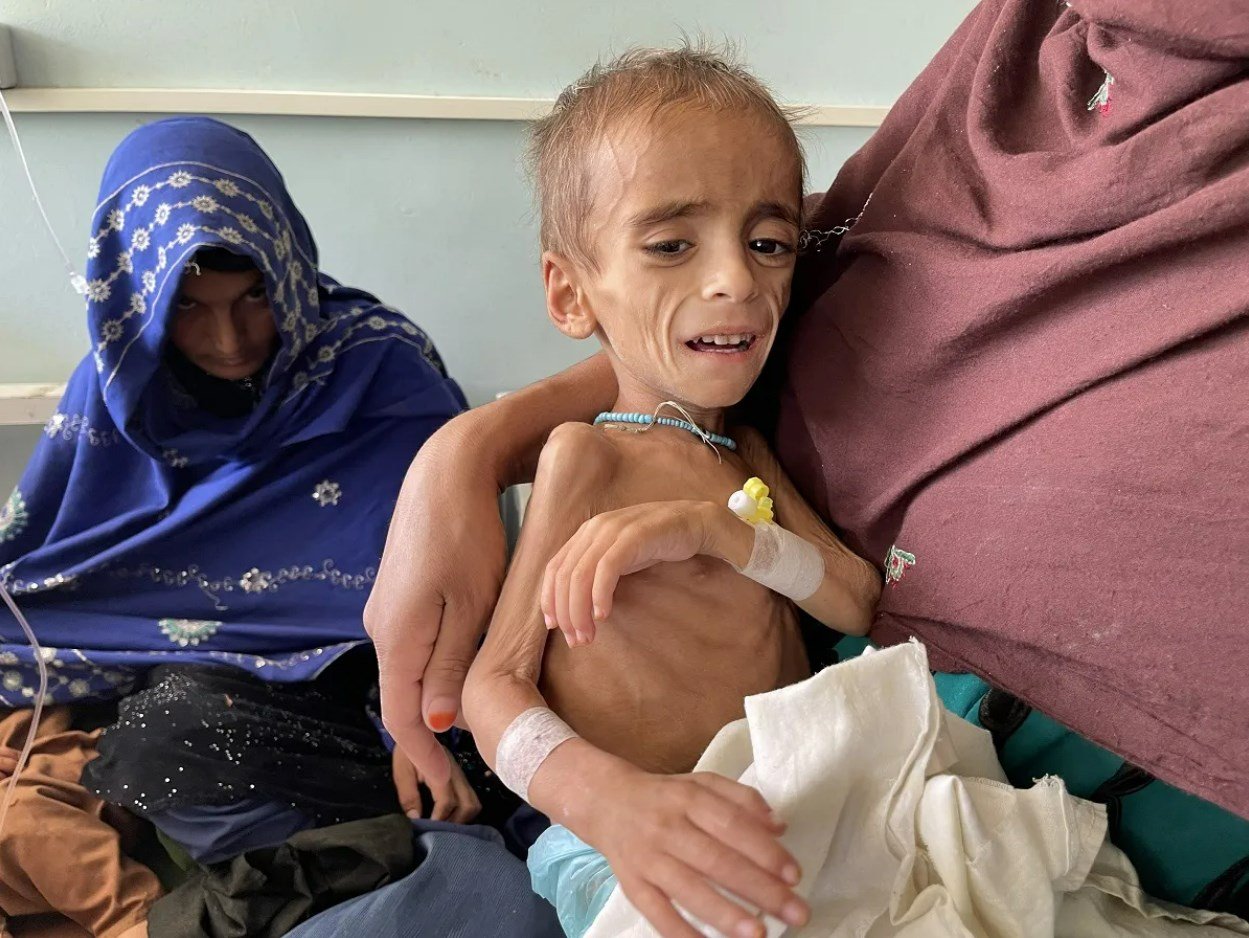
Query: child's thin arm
x,y
847,598
580,581
502,682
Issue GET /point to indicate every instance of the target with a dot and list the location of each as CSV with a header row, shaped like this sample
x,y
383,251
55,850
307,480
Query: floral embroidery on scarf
x,y
254,581
327,494
295,286
183,632
72,676
71,426
18,586
13,517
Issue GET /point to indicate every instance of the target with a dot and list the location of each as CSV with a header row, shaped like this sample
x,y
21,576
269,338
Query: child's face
x,y
693,230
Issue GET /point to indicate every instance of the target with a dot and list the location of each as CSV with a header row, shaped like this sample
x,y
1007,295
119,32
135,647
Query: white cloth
x,y
904,825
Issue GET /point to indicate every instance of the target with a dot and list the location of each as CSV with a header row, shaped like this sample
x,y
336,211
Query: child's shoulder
x,y
578,439
577,454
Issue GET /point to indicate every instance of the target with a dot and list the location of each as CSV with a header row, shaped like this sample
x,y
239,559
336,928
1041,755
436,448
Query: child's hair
x,y
639,83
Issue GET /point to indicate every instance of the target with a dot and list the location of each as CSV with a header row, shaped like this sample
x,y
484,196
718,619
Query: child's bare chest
x,y
648,472
685,643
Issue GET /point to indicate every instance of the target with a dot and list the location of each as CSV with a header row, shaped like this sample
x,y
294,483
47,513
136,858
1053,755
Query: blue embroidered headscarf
x,y
147,531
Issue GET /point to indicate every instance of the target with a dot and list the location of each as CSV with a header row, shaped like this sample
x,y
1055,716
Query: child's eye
x,y
184,303
258,294
769,246
669,248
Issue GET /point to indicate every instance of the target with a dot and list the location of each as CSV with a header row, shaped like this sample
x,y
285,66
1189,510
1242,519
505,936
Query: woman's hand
x,y
580,581
454,799
436,587
686,840
443,565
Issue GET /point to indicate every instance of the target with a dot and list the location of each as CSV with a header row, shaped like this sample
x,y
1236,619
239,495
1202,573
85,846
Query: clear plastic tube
x,y
10,789
78,281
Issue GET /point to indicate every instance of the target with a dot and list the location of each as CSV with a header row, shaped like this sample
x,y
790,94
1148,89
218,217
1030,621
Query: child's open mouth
x,y
723,344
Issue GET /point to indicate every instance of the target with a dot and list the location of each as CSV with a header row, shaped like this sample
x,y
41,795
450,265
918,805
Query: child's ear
x,y
565,300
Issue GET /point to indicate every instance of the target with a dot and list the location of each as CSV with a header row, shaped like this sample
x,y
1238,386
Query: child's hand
x,y
454,799
673,839
580,581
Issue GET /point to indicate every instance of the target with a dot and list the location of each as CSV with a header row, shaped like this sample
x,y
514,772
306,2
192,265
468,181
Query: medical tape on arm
x,y
784,563
779,559
525,745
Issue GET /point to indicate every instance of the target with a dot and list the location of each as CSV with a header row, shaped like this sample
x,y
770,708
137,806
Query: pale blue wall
x,y
433,216
865,51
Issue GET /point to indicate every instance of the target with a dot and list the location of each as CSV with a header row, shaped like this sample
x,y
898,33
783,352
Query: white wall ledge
x,y
338,104
28,404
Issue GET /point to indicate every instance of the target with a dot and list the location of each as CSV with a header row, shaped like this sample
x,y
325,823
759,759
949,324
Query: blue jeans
x,y
465,884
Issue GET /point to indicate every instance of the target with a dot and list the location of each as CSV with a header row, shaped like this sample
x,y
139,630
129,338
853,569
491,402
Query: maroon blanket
x,y
1027,367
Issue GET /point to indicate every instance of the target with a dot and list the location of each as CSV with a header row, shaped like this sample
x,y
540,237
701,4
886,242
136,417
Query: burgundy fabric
x,y
1028,366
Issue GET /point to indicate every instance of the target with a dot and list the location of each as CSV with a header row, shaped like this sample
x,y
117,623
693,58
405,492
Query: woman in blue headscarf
x,y
197,532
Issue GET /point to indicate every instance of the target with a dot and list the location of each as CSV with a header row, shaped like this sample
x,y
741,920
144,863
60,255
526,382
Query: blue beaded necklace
x,y
646,421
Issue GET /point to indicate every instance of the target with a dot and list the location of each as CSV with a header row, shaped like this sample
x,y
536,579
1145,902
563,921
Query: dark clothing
x,y
1018,383
266,892
214,736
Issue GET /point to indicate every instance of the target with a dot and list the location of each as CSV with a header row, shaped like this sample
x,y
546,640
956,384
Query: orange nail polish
x,y
440,721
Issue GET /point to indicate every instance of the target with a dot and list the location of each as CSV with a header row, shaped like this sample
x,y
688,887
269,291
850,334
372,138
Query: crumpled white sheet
x,y
905,826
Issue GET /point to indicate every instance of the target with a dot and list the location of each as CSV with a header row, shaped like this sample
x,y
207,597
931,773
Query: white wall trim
x,y
28,404
337,104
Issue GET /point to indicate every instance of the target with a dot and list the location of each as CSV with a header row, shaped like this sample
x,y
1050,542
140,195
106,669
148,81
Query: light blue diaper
x,y
572,876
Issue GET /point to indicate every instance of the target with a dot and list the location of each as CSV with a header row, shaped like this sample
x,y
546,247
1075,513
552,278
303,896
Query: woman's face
x,y
223,323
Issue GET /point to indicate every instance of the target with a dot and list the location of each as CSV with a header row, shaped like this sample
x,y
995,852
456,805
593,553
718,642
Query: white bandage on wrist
x,y
784,563
524,746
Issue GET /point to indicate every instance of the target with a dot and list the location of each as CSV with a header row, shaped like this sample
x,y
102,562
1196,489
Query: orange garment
x,y
58,851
